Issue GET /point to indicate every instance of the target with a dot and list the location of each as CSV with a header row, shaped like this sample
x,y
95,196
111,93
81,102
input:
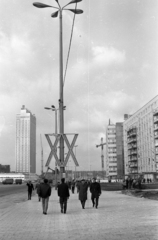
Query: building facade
x,y
140,132
25,152
114,151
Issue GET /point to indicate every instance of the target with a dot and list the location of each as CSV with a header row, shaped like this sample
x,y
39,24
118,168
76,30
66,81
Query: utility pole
x,y
41,156
102,155
61,82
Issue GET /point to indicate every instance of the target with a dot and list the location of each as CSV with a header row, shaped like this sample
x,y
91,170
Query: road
x,y
11,195
11,189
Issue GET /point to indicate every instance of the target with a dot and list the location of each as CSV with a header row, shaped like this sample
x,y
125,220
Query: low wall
x,y
116,186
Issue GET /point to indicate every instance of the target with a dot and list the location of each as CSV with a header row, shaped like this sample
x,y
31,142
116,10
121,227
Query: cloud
x,y
105,56
2,123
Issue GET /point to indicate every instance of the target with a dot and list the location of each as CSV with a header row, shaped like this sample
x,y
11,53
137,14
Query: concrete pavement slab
x,y
119,217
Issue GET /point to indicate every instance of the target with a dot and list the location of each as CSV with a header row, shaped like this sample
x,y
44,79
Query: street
x,y
118,217
12,189
10,195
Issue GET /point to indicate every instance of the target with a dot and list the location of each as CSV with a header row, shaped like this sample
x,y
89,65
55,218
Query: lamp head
x,y
40,5
75,1
76,11
55,14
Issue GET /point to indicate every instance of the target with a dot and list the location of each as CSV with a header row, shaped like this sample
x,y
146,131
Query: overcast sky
x,y
112,70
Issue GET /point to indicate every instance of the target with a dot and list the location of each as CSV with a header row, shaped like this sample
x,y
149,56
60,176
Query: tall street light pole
x,y
75,156
61,83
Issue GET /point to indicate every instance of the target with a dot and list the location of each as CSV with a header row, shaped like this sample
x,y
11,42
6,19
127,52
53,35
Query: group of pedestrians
x,y
44,192
130,183
95,190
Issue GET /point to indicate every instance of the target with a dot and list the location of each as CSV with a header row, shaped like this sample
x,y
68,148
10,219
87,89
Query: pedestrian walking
x,y
63,193
73,186
77,185
95,190
37,187
82,189
30,188
44,193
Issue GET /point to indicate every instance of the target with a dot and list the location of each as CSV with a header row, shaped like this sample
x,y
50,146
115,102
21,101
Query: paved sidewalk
x,y
119,217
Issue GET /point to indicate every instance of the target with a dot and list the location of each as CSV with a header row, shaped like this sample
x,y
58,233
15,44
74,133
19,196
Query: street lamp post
x,y
61,84
53,108
75,156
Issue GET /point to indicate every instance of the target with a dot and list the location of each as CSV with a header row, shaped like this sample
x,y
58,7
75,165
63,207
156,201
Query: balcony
x,y
130,140
133,159
132,153
132,146
155,113
133,129
156,127
156,143
133,166
156,135
133,171
156,119
131,134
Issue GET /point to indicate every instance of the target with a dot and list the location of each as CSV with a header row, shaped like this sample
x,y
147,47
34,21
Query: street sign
x,y
54,149
70,147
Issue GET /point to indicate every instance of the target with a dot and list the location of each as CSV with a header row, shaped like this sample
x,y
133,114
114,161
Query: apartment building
x,y
25,151
114,151
140,133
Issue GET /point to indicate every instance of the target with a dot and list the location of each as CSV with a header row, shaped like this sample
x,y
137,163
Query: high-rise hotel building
x,y
25,152
141,141
114,151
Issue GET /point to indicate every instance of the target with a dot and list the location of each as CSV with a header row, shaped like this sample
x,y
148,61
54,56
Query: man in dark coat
x,y
63,193
95,190
44,193
82,189
30,187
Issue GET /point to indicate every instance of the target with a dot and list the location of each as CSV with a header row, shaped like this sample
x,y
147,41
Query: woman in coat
x,y
82,190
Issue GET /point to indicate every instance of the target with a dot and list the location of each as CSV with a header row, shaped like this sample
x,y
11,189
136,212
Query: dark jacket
x,y
30,187
44,190
95,189
63,191
37,187
82,188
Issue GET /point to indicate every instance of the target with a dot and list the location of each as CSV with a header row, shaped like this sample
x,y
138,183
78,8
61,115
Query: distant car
x,y
18,181
8,181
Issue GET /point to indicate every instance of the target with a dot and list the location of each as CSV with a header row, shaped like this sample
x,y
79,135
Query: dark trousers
x,y
73,189
63,204
83,203
29,195
95,201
